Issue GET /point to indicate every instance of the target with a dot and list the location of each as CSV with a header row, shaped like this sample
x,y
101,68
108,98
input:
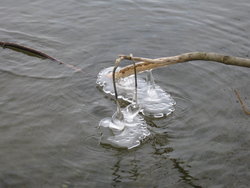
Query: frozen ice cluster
x,y
153,100
126,128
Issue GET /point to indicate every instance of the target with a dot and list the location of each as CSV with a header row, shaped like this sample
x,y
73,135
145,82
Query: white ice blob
x,y
153,100
126,129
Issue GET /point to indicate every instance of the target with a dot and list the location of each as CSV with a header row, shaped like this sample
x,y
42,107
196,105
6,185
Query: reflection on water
x,y
121,174
49,114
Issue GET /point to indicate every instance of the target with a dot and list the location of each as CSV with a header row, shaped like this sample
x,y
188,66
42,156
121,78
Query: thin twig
x,y
136,85
117,62
243,105
119,113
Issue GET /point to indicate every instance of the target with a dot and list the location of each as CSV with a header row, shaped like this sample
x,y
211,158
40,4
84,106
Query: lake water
x,y
49,114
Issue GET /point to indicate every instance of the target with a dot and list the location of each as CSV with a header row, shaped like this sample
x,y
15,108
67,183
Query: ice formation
x,y
126,128
153,100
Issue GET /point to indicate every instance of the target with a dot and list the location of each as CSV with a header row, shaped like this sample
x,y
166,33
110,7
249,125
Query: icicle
x,y
150,79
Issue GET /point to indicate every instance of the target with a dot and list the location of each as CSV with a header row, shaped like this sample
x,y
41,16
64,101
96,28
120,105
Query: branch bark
x,y
147,64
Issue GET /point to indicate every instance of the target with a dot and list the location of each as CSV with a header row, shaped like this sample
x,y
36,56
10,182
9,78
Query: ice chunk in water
x,y
124,133
153,100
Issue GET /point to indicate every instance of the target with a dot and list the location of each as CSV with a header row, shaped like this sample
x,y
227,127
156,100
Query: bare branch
x,y
243,105
33,52
147,64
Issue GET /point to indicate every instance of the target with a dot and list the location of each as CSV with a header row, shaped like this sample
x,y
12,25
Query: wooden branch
x,y
36,53
243,105
147,64
27,50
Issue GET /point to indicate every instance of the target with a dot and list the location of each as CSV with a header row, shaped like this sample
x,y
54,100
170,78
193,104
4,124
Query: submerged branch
x,y
243,105
147,64
36,53
27,50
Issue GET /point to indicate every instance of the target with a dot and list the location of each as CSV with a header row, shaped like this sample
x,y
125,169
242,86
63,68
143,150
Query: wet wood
x,y
147,64
243,105
36,53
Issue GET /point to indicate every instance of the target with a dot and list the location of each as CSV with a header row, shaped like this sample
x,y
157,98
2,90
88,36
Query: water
x,y
49,134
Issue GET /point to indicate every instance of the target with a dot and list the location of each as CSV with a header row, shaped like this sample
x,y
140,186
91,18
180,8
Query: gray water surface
x,y
49,114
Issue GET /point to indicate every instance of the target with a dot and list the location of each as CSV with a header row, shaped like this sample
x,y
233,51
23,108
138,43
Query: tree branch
x,y
147,64
36,53
243,105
